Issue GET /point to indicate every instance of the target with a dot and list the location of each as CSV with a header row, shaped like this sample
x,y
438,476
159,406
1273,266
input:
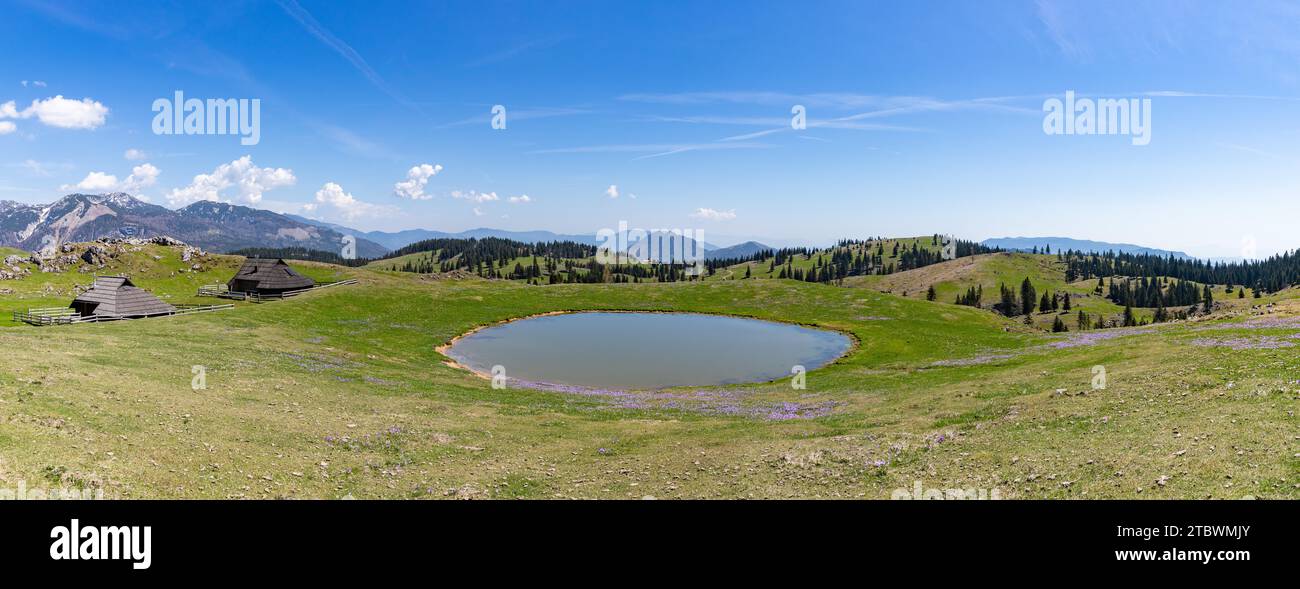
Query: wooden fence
x,y
66,316
224,292
47,316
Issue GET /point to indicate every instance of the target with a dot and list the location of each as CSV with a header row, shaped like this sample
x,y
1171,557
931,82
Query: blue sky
x,y
923,116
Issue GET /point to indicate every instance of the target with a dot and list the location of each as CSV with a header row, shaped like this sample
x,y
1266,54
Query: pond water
x,y
646,350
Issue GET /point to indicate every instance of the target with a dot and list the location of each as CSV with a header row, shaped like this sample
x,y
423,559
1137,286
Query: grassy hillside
x,y
806,263
885,248
341,392
989,271
156,268
1045,272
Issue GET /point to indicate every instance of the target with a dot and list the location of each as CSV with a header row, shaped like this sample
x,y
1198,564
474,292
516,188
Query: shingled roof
x,y
268,275
117,296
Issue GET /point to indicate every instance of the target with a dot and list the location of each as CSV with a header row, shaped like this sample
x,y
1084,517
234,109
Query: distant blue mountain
x,y
740,250
398,239
1058,244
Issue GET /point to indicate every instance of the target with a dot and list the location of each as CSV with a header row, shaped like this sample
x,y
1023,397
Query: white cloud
x,y
242,175
135,154
521,199
478,212
94,182
142,176
332,194
416,178
35,167
7,127
60,112
713,214
34,83
474,195
612,191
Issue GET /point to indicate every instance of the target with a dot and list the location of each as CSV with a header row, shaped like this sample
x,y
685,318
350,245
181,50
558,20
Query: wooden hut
x,y
267,276
117,296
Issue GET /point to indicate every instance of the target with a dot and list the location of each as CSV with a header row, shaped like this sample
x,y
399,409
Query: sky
x,y
919,117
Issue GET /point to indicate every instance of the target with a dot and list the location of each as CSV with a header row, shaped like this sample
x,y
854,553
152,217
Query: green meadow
x,y
343,393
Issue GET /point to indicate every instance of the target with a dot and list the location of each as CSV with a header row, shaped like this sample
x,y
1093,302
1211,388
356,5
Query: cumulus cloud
x,y
521,199
612,191
713,214
475,196
416,178
333,195
142,176
60,112
7,127
242,176
94,182
135,154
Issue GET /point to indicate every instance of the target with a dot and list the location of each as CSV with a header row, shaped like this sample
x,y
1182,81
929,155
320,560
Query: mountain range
x,y
398,239
1059,244
224,227
210,225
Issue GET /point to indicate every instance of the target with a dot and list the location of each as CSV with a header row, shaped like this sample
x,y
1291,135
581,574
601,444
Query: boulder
x,y
95,255
166,240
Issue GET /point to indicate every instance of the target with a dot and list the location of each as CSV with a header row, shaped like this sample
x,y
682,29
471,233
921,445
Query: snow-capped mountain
x,y
210,225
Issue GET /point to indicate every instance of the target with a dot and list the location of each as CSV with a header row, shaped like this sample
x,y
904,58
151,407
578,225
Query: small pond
x,y
646,350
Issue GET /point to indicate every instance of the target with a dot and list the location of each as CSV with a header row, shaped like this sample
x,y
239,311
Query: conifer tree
x,y
1027,297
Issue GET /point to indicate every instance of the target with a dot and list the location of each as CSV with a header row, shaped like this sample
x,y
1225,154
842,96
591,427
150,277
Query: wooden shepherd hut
x,y
268,276
117,296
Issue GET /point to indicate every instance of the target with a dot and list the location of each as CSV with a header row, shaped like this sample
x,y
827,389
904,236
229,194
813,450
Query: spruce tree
x,y
1027,297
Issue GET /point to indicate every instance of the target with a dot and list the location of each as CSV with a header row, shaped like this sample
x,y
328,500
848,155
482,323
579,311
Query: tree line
x,y
1268,276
